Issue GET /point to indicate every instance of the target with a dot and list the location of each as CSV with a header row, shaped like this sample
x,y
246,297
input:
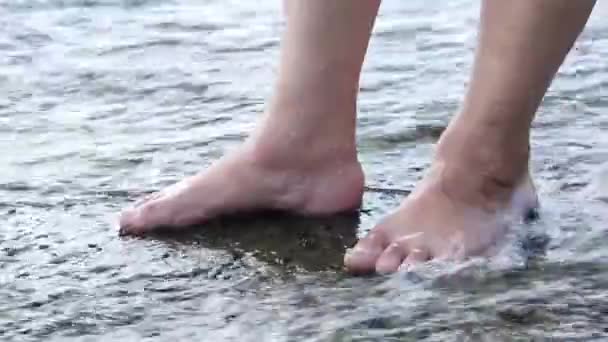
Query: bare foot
x,y
247,181
448,216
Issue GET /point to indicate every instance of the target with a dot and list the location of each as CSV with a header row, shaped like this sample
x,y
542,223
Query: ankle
x,y
273,152
475,169
298,138
489,152
308,179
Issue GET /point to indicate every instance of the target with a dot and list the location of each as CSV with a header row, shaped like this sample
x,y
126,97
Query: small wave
x,y
181,27
140,46
41,5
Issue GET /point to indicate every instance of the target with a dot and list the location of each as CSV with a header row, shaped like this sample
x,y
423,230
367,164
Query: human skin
x,y
302,156
478,182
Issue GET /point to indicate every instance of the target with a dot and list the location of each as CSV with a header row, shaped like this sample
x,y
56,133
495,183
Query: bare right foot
x,y
463,207
249,180
445,218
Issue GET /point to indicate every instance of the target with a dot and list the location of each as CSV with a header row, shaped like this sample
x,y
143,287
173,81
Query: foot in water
x,y
460,208
453,212
247,180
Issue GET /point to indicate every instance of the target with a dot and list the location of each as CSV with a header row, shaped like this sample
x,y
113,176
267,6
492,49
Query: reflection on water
x,y
105,101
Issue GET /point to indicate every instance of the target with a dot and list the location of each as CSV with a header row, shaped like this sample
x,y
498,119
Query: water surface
x,y
105,100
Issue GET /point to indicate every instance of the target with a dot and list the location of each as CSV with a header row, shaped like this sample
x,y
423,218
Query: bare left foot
x,y
268,172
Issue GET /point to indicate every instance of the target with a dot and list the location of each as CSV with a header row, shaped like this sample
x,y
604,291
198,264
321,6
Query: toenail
x,y
359,252
351,256
358,248
404,268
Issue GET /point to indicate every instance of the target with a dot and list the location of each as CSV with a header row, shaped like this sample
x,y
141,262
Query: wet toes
x,y
132,220
415,257
392,257
144,217
147,199
129,221
362,258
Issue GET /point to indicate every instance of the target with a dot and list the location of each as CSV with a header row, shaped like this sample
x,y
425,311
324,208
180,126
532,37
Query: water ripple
x,y
106,101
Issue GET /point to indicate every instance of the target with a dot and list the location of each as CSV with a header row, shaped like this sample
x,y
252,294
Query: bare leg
x,y
302,157
479,177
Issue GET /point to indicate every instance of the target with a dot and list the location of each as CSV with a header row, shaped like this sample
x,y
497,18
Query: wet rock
x,y
214,272
308,242
237,254
279,239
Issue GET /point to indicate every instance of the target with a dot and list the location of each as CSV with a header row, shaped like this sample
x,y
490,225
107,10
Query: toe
x,y
403,249
392,257
147,199
130,221
362,258
143,217
415,257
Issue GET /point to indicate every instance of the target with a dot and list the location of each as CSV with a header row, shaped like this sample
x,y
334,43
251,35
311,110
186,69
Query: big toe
x,y
402,253
390,260
363,257
145,217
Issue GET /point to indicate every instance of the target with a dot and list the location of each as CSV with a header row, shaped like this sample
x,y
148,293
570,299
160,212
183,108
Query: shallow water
x,y
105,100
